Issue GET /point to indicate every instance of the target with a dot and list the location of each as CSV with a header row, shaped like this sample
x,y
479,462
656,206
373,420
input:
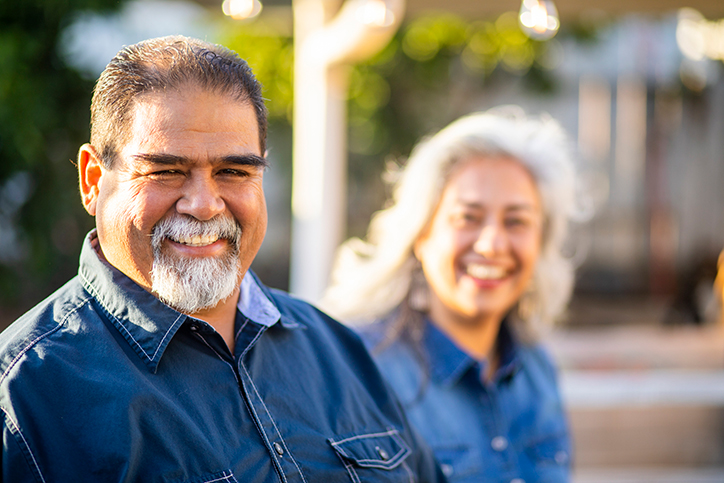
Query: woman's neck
x,y
476,337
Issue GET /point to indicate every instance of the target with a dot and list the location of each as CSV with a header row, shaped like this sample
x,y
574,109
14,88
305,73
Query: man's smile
x,y
195,240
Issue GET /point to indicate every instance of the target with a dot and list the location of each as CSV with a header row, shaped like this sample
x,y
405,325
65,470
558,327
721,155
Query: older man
x,y
165,359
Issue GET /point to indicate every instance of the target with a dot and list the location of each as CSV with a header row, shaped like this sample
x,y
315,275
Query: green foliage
x,y
270,54
43,119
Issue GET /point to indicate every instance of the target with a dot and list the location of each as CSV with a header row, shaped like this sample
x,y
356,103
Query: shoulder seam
x,y
119,325
25,445
40,337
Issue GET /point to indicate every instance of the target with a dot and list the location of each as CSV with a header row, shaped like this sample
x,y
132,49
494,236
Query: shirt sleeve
x,y
18,465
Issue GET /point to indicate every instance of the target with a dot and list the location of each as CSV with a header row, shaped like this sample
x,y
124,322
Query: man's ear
x,y
90,172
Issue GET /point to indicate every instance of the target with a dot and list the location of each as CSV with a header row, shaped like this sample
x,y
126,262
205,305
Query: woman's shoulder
x,y
395,357
536,360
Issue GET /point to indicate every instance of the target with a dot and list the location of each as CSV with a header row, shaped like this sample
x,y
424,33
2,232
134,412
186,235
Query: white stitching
x,y
42,336
250,345
391,432
25,442
390,463
261,430
238,332
173,325
351,471
225,477
409,471
96,295
281,438
271,418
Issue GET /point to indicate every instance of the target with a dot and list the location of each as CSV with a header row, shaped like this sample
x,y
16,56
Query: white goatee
x,y
188,284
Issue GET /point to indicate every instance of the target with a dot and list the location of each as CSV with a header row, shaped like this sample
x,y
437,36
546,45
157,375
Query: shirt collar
x,y
254,303
448,363
146,323
509,349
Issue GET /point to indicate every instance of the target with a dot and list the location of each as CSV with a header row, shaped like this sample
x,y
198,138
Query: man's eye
x,y
166,172
233,172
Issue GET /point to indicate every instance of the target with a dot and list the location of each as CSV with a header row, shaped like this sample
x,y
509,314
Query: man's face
x,y
188,182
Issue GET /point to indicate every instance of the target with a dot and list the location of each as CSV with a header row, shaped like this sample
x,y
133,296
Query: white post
x,y
323,50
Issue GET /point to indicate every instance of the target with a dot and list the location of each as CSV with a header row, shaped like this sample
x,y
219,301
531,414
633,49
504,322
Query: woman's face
x,y
479,251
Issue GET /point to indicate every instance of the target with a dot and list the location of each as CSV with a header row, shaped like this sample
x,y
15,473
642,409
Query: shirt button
x,y
383,454
447,470
278,448
194,328
499,443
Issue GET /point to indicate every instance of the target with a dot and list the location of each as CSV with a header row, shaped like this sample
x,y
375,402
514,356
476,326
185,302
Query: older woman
x,y
460,274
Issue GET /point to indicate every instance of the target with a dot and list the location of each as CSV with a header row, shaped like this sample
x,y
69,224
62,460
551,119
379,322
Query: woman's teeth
x,y
485,272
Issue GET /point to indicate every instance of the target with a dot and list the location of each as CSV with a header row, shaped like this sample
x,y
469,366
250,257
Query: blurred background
x,y
639,84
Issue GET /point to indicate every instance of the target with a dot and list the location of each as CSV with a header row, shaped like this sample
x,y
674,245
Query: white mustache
x,y
190,231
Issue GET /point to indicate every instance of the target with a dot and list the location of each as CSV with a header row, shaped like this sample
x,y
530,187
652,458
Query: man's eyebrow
x,y
247,160
168,159
174,160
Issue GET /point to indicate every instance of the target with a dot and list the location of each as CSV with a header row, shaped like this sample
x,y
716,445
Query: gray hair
x,y
160,65
371,278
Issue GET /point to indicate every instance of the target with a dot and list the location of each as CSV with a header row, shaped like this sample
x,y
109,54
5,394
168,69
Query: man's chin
x,y
191,285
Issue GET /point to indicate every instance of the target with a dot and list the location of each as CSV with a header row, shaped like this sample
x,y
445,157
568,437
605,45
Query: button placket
x,y
499,443
282,457
278,448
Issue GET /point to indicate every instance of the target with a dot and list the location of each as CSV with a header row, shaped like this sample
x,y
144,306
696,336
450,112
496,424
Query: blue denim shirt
x,y
102,382
510,429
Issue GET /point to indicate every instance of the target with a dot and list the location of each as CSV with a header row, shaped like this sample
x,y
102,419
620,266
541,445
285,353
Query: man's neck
x,y
222,317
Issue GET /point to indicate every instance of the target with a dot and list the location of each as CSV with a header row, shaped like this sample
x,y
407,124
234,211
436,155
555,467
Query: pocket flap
x,y
384,450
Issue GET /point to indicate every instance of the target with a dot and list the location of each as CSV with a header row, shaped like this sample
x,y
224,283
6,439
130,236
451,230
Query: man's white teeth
x,y
485,272
198,240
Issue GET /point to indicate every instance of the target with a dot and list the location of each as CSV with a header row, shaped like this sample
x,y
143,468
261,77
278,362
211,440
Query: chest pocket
x,y
374,457
550,457
458,462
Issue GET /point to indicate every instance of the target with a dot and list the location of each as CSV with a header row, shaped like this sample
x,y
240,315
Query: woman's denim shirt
x,y
510,429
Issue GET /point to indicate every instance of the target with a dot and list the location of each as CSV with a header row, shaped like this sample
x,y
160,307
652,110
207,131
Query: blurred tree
x,y
44,117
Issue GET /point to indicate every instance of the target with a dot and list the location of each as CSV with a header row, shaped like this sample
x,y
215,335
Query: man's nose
x,y
491,240
201,198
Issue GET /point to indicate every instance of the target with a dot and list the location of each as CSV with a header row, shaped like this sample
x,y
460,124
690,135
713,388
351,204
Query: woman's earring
x,y
528,303
419,295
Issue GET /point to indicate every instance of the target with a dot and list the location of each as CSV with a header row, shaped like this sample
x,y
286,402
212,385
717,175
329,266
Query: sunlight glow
x,y
539,19
241,9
